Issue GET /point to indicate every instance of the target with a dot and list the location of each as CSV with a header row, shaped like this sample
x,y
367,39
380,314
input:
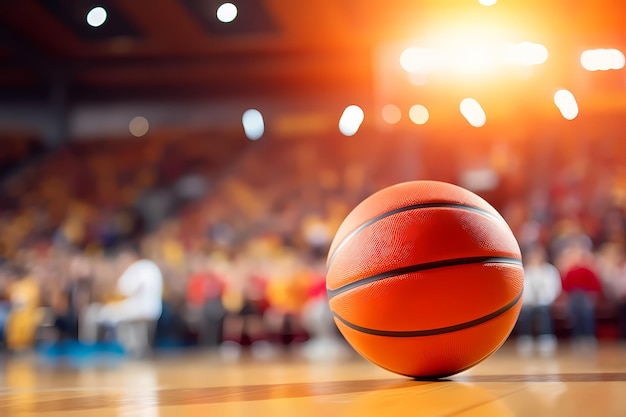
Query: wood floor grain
x,y
202,384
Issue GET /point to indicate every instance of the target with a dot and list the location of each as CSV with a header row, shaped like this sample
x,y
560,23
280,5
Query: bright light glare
x,y
253,125
418,114
470,56
602,59
487,2
351,120
419,60
96,16
468,52
566,103
227,12
475,57
473,113
138,126
528,54
391,114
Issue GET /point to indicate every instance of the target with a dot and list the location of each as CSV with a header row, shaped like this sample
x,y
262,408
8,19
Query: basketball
x,y
425,279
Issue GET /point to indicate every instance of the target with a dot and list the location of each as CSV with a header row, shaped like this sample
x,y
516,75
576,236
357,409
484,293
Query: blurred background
x,y
172,172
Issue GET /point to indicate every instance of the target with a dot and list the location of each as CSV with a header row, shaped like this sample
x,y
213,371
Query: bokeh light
x,y
96,16
477,53
418,114
253,125
351,120
139,126
473,112
602,59
418,60
487,2
391,114
566,103
227,12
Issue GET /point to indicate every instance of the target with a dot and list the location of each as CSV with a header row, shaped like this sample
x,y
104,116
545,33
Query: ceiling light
x,y
96,16
351,120
227,12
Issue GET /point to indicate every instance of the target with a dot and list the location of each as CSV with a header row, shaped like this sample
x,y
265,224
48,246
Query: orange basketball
x,y
425,279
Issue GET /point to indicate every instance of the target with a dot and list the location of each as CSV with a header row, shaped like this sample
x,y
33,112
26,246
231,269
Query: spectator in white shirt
x,y
134,317
542,285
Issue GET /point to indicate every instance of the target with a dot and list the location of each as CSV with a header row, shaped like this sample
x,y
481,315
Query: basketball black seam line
x,y
432,332
373,220
422,267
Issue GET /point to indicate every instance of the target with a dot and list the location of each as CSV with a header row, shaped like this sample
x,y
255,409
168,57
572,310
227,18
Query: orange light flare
x,y
471,55
508,58
511,57
488,63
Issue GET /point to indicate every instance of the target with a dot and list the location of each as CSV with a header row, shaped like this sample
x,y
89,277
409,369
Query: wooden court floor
x,y
572,383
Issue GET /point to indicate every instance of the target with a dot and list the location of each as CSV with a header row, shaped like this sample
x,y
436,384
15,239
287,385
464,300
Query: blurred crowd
x,y
178,240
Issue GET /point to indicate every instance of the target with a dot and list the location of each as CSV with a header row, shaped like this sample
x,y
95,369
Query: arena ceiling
x,y
177,49
171,48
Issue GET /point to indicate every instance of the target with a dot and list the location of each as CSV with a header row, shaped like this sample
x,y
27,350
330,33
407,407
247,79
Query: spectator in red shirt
x,y
583,288
204,302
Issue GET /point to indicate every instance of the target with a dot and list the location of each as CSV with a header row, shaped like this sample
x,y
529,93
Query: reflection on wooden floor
x,y
201,384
